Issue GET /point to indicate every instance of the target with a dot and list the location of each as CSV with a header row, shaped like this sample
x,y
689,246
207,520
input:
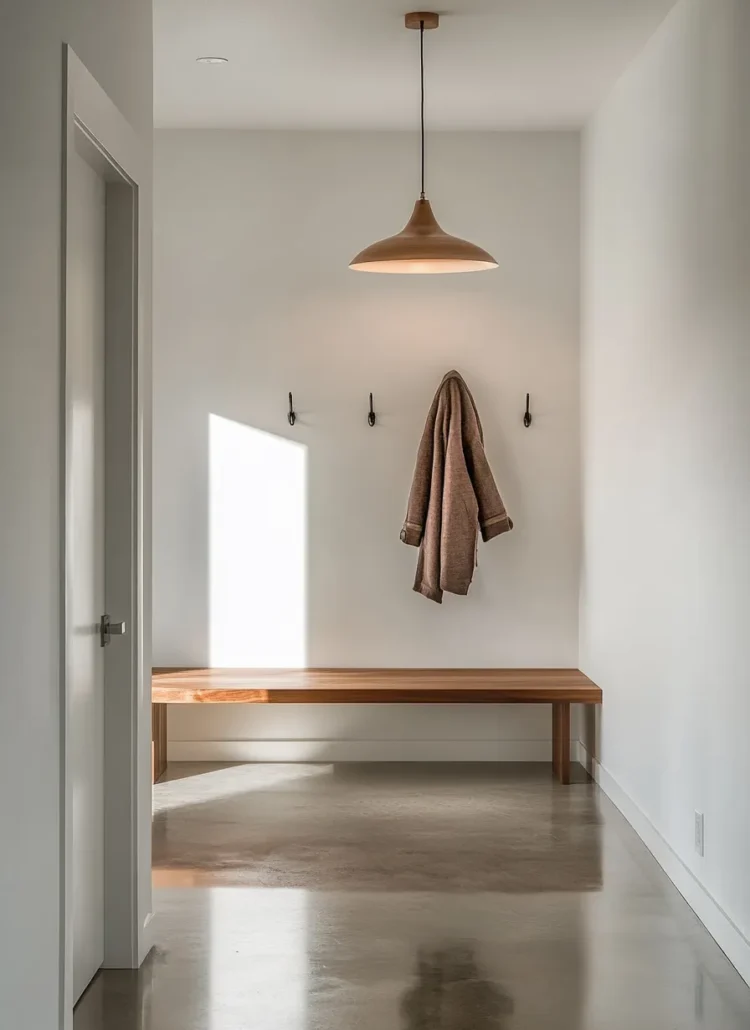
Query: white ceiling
x,y
352,64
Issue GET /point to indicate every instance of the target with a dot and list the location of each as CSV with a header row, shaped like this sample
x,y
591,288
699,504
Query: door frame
x,y
95,129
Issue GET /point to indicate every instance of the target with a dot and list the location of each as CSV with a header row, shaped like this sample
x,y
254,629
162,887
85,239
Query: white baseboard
x,y
727,935
360,750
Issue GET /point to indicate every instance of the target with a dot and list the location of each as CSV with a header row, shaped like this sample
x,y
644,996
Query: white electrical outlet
x,y
699,834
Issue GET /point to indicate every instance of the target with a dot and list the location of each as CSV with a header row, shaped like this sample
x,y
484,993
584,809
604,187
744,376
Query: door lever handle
x,y
109,629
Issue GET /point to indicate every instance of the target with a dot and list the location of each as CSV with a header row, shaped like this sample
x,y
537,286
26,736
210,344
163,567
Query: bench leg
x,y
561,740
158,741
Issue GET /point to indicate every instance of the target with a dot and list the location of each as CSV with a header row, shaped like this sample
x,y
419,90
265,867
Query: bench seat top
x,y
372,686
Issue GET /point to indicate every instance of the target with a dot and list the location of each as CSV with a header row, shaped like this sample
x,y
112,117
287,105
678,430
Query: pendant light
x,y
422,247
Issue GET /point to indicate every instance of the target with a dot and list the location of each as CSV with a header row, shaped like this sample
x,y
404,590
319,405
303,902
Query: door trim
x,y
95,129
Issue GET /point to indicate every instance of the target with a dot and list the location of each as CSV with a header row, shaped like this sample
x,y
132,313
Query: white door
x,y
85,356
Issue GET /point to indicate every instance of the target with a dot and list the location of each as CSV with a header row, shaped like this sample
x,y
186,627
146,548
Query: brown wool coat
x,y
452,494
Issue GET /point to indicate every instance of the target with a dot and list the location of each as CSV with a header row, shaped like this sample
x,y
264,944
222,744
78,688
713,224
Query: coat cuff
x,y
495,526
412,534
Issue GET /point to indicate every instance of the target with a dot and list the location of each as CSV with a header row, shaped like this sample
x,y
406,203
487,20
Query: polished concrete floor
x,y
378,897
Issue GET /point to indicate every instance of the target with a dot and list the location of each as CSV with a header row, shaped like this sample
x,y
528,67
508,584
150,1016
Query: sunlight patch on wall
x,y
257,548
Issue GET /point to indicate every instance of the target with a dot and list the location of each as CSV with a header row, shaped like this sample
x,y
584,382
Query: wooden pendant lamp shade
x,y
422,247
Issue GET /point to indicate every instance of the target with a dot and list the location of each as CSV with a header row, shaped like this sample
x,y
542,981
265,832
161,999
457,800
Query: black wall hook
x,y
292,416
371,418
527,416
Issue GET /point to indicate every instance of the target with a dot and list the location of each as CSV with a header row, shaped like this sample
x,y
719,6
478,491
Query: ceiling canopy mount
x,y
422,20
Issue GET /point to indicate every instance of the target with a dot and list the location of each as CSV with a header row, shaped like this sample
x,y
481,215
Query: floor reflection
x,y
459,898
451,993
120,999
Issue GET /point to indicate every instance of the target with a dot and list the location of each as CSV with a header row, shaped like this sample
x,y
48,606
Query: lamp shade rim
x,y
421,266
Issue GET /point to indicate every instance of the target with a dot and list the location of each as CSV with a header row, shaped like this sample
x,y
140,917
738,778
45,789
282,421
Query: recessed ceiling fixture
x,y
422,247
212,60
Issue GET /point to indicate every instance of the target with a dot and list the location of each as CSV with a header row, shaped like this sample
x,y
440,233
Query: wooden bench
x,y
558,687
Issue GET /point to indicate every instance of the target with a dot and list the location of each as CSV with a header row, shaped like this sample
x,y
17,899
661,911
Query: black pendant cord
x,y
421,106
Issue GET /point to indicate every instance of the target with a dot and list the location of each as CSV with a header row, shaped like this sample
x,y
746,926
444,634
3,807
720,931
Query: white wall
x,y
253,235
114,41
666,430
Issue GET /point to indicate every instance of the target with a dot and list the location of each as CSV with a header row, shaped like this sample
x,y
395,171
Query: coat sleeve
x,y
419,496
493,518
